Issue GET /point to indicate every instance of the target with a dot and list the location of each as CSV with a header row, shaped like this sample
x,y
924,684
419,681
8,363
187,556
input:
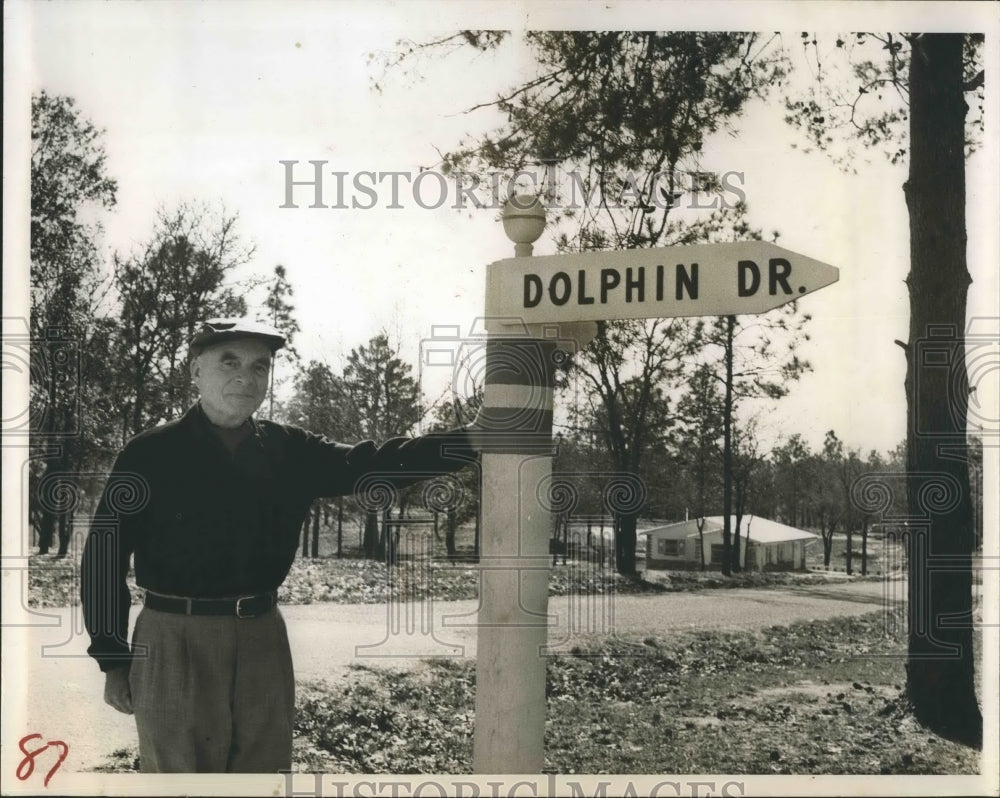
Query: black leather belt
x,y
241,607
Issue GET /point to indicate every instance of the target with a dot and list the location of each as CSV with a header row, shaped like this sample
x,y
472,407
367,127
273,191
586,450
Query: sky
x,y
200,102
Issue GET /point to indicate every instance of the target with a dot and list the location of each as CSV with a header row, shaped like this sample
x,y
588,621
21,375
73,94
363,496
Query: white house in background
x,y
772,546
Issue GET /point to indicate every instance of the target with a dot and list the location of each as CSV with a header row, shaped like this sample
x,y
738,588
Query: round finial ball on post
x,y
523,222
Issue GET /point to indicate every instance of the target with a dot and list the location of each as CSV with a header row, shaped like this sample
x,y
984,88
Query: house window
x,y
717,553
669,548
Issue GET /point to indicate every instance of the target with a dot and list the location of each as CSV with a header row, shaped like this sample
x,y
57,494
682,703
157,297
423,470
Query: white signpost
x,y
524,293
696,280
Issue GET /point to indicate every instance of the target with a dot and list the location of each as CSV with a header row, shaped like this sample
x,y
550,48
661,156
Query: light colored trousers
x,y
212,694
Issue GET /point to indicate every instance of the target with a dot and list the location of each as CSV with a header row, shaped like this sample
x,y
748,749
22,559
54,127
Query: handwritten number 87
x,y
27,766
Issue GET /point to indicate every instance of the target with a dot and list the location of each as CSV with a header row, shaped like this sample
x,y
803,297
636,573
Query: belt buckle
x,y
239,609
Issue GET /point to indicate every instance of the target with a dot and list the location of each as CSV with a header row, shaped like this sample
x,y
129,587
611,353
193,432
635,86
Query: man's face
x,y
232,380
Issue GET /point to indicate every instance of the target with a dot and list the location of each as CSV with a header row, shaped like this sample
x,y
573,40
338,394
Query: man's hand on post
x,y
117,692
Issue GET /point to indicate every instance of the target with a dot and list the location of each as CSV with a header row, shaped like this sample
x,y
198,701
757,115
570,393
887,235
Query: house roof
x,y
757,529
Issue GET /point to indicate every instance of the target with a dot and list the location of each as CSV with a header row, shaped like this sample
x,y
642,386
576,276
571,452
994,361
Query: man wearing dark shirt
x,y
211,506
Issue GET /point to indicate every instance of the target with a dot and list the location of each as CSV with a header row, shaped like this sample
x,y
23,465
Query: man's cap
x,y
216,331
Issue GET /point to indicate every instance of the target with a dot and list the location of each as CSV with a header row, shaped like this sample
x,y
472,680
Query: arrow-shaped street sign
x,y
696,280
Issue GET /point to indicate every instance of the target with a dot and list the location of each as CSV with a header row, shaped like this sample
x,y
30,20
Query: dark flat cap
x,y
215,331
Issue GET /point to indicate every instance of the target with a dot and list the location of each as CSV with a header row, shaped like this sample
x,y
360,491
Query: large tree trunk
x,y
940,668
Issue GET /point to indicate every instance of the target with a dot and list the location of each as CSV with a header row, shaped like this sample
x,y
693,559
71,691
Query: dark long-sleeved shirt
x,y
206,522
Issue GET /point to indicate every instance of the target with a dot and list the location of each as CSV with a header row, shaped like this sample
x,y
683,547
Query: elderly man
x,y
211,505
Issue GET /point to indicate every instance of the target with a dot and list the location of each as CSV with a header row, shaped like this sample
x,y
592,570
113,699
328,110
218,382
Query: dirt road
x,y
328,638
60,693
